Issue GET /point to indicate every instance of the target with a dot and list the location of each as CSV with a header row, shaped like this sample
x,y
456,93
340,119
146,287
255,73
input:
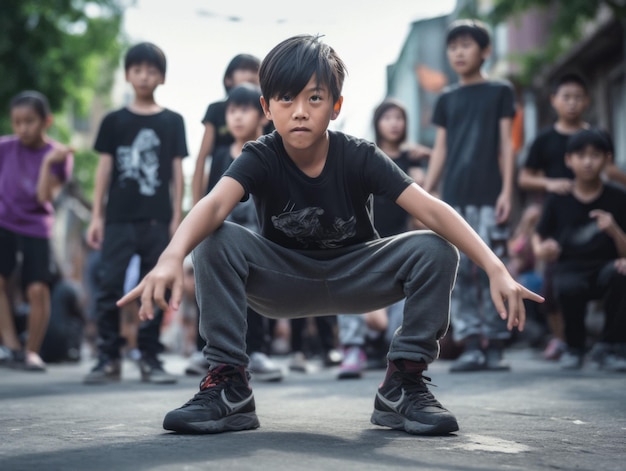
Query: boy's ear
x,y
337,108
49,121
266,108
485,53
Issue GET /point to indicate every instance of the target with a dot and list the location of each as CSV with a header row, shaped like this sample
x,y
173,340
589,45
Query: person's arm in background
x,y
177,188
95,231
198,182
436,162
48,183
507,169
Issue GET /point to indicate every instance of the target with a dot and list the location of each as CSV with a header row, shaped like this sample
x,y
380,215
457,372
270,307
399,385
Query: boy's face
x,y
570,101
391,125
302,120
144,78
244,122
465,55
587,164
28,125
241,76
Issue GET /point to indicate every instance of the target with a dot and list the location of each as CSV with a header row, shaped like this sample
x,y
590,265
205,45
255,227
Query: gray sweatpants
x,y
235,267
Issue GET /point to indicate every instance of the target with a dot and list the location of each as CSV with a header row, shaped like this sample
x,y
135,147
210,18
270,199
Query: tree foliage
x,y
569,20
60,48
66,49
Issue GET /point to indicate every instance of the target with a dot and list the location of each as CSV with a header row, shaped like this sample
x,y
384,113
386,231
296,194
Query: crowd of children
x,y
292,220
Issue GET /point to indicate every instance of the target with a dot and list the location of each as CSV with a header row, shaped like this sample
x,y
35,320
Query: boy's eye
x,y
316,98
285,97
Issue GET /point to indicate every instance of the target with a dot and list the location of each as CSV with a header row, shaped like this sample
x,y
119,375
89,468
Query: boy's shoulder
x,y
125,114
615,192
9,140
489,84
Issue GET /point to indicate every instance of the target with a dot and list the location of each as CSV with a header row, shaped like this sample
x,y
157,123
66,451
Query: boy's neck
x,y
237,146
392,149
586,191
472,78
144,105
311,161
570,127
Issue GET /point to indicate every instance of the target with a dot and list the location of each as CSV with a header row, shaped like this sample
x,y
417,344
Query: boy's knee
x,y
438,249
36,291
227,234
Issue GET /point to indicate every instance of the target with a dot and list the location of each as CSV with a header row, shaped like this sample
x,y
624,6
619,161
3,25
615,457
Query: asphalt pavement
x,y
535,417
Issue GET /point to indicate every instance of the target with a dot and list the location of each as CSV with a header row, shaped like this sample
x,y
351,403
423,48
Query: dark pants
x,y
576,285
121,241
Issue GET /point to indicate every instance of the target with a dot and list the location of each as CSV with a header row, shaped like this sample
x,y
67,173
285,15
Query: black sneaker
x,y
224,403
404,402
106,371
152,371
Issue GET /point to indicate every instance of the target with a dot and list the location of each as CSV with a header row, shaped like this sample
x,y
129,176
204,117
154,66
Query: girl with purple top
x,y
32,169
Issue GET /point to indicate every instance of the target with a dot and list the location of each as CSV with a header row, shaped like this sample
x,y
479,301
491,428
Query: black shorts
x,y
35,251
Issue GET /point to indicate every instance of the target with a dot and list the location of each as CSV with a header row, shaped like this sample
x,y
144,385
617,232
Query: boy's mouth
x,y
300,129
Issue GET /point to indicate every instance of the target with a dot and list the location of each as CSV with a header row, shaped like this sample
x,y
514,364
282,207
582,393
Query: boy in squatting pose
x,y
318,252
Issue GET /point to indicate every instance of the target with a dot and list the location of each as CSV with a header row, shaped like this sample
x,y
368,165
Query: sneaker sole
x,y
269,377
397,422
232,423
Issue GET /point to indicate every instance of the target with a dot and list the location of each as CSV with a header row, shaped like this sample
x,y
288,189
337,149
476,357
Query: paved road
x,y
534,418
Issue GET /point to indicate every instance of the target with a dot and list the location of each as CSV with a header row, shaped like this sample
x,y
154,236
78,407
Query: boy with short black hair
x,y
582,231
318,252
545,172
137,206
473,156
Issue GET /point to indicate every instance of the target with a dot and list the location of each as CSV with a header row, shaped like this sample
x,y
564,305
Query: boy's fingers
x,y
131,295
528,294
500,307
146,310
159,296
177,293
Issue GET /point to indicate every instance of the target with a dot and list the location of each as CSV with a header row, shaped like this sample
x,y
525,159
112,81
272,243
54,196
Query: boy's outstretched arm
x,y
206,147
203,219
442,219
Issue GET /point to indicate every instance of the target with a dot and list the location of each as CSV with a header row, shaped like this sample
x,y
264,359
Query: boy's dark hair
x,y
148,53
569,78
588,137
468,27
240,62
289,66
386,105
33,99
245,94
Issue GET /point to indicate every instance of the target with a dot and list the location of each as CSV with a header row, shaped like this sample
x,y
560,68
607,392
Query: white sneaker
x,y
353,364
262,368
198,365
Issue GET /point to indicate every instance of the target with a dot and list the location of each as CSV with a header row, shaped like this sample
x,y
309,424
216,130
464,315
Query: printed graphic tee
x,y
143,148
329,211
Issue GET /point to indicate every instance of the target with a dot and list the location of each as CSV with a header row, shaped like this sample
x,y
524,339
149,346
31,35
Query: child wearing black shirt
x,y
582,231
318,252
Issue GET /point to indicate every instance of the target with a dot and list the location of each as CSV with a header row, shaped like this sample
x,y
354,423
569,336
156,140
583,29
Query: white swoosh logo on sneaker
x,y
391,404
235,406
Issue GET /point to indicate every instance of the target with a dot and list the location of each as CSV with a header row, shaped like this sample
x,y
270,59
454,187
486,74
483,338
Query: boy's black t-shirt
x,y
329,211
547,154
389,218
216,115
566,220
471,115
143,148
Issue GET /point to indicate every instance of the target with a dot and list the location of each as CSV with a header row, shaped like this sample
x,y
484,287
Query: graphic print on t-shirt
x,y
140,162
306,227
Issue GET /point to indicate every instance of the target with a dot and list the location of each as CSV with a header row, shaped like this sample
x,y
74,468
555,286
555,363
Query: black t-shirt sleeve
x,y
546,227
249,170
439,114
213,114
105,140
180,141
383,176
507,102
534,159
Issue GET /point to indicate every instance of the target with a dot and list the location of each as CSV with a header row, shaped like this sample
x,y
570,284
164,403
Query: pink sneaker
x,y
353,364
554,349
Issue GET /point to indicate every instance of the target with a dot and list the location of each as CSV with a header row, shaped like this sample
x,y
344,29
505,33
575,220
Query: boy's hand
x,y
95,233
503,209
604,219
561,186
549,250
508,293
166,275
620,266
58,153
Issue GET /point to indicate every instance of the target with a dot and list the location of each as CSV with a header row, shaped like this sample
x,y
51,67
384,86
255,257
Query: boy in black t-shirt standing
x,y
473,152
583,232
137,206
318,252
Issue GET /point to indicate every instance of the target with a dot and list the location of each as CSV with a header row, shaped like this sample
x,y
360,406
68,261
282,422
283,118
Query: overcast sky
x,y
200,37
